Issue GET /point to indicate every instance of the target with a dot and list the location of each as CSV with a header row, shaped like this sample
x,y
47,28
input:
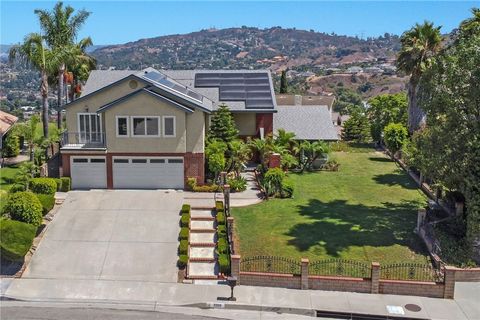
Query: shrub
x,y
16,188
331,165
184,232
47,201
222,245
274,178
43,185
238,184
182,261
25,207
183,247
11,146
186,208
395,135
219,205
207,188
191,184
66,184
224,263
287,190
15,239
220,218
58,181
185,220
221,230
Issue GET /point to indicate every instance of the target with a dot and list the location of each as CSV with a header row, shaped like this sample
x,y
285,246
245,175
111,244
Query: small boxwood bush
x,y
16,188
207,188
15,239
66,184
184,220
224,263
183,247
43,185
221,229
182,261
219,205
220,218
185,208
24,206
222,245
47,201
184,232
58,181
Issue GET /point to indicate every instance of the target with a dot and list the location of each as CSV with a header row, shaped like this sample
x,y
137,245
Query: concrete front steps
x,y
202,260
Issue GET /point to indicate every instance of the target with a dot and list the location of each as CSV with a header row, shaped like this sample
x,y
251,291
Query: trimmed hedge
x,y
185,208
207,188
47,201
66,184
182,261
183,247
221,229
184,232
185,220
220,218
222,245
43,185
219,205
15,239
224,263
24,206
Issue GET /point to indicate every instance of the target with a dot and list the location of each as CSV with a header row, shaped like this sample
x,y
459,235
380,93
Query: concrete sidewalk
x,y
300,302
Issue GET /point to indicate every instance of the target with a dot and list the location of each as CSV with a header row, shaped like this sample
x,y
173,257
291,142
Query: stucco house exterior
x,y
146,129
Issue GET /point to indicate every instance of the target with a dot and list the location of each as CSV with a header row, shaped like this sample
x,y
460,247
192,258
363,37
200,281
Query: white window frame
x,y
133,135
99,115
174,127
128,126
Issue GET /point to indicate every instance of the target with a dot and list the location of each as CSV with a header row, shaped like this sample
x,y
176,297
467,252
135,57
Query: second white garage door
x,y
148,173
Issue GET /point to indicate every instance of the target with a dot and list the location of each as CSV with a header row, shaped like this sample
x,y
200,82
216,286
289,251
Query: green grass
x,y
15,239
6,176
366,211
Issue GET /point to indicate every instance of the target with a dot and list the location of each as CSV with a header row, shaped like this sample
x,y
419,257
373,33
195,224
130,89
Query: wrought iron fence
x,y
270,264
339,268
412,272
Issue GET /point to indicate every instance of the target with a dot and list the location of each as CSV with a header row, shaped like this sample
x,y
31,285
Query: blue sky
x,y
114,22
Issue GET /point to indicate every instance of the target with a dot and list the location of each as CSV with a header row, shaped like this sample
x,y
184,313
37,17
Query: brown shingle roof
x,y
7,120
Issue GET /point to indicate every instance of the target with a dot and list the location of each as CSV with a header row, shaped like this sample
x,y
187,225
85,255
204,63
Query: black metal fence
x,y
339,268
412,272
270,264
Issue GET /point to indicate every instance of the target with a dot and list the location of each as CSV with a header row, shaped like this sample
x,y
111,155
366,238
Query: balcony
x,y
83,140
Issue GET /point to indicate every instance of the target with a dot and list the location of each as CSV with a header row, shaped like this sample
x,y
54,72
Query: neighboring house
x,y
309,117
7,121
338,120
146,129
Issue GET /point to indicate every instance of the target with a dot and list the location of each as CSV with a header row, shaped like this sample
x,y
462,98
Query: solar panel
x,y
164,81
251,87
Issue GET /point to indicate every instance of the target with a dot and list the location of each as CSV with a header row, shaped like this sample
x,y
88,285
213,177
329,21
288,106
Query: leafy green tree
x,y
449,150
239,154
222,125
311,151
384,109
285,139
283,82
348,101
264,149
215,154
356,128
27,131
11,146
419,45
395,135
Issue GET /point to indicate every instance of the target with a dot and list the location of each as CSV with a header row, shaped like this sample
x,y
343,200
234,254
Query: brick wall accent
x,y
449,288
339,284
304,274
264,120
235,267
65,165
270,280
375,277
195,167
424,289
467,275
274,161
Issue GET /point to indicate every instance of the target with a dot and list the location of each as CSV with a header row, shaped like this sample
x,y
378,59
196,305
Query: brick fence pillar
x,y
235,266
375,277
421,215
449,290
304,273
274,160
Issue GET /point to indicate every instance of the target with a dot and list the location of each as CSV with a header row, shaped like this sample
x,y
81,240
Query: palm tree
x,y
81,64
61,27
27,130
419,45
310,151
263,147
471,25
35,53
240,153
285,139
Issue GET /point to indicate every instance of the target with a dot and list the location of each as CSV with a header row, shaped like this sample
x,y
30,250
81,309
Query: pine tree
x,y
222,126
283,82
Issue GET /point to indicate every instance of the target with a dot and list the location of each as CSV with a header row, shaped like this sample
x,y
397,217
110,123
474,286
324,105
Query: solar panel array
x,y
251,87
163,80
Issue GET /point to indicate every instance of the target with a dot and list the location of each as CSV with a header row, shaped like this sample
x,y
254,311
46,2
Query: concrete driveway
x,y
111,235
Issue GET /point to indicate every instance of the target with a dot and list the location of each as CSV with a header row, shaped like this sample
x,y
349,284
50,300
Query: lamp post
x,y
232,282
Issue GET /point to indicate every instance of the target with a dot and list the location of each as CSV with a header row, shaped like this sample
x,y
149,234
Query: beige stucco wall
x,y
246,123
195,123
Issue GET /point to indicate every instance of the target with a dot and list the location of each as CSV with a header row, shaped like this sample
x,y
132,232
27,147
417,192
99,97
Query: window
x,y
122,126
157,160
120,160
175,161
146,126
89,128
97,160
80,160
169,126
139,160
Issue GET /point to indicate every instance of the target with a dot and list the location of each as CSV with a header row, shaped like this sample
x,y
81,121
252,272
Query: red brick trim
x,y
264,274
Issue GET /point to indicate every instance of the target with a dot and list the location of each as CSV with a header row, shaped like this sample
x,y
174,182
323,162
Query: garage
x,y
88,172
148,172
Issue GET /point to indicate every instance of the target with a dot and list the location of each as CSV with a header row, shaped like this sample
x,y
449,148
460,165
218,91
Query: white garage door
x,y
148,173
88,172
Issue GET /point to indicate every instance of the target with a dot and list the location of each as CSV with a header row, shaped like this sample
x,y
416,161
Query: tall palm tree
x,y
61,27
81,63
36,54
471,25
240,153
419,45
285,139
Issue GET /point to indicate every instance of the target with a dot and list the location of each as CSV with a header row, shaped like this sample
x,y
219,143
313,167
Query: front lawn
x,y
15,239
7,175
366,211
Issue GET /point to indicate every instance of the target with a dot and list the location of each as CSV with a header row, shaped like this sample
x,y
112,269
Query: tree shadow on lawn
x,y
393,179
339,225
380,159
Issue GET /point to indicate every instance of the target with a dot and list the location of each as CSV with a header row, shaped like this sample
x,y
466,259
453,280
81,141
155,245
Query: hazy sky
x,y
114,22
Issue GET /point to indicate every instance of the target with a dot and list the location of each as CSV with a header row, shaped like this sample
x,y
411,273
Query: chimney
x,y
298,100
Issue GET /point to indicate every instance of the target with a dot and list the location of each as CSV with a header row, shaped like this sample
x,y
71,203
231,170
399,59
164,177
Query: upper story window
x,y
169,126
122,126
145,126
89,127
